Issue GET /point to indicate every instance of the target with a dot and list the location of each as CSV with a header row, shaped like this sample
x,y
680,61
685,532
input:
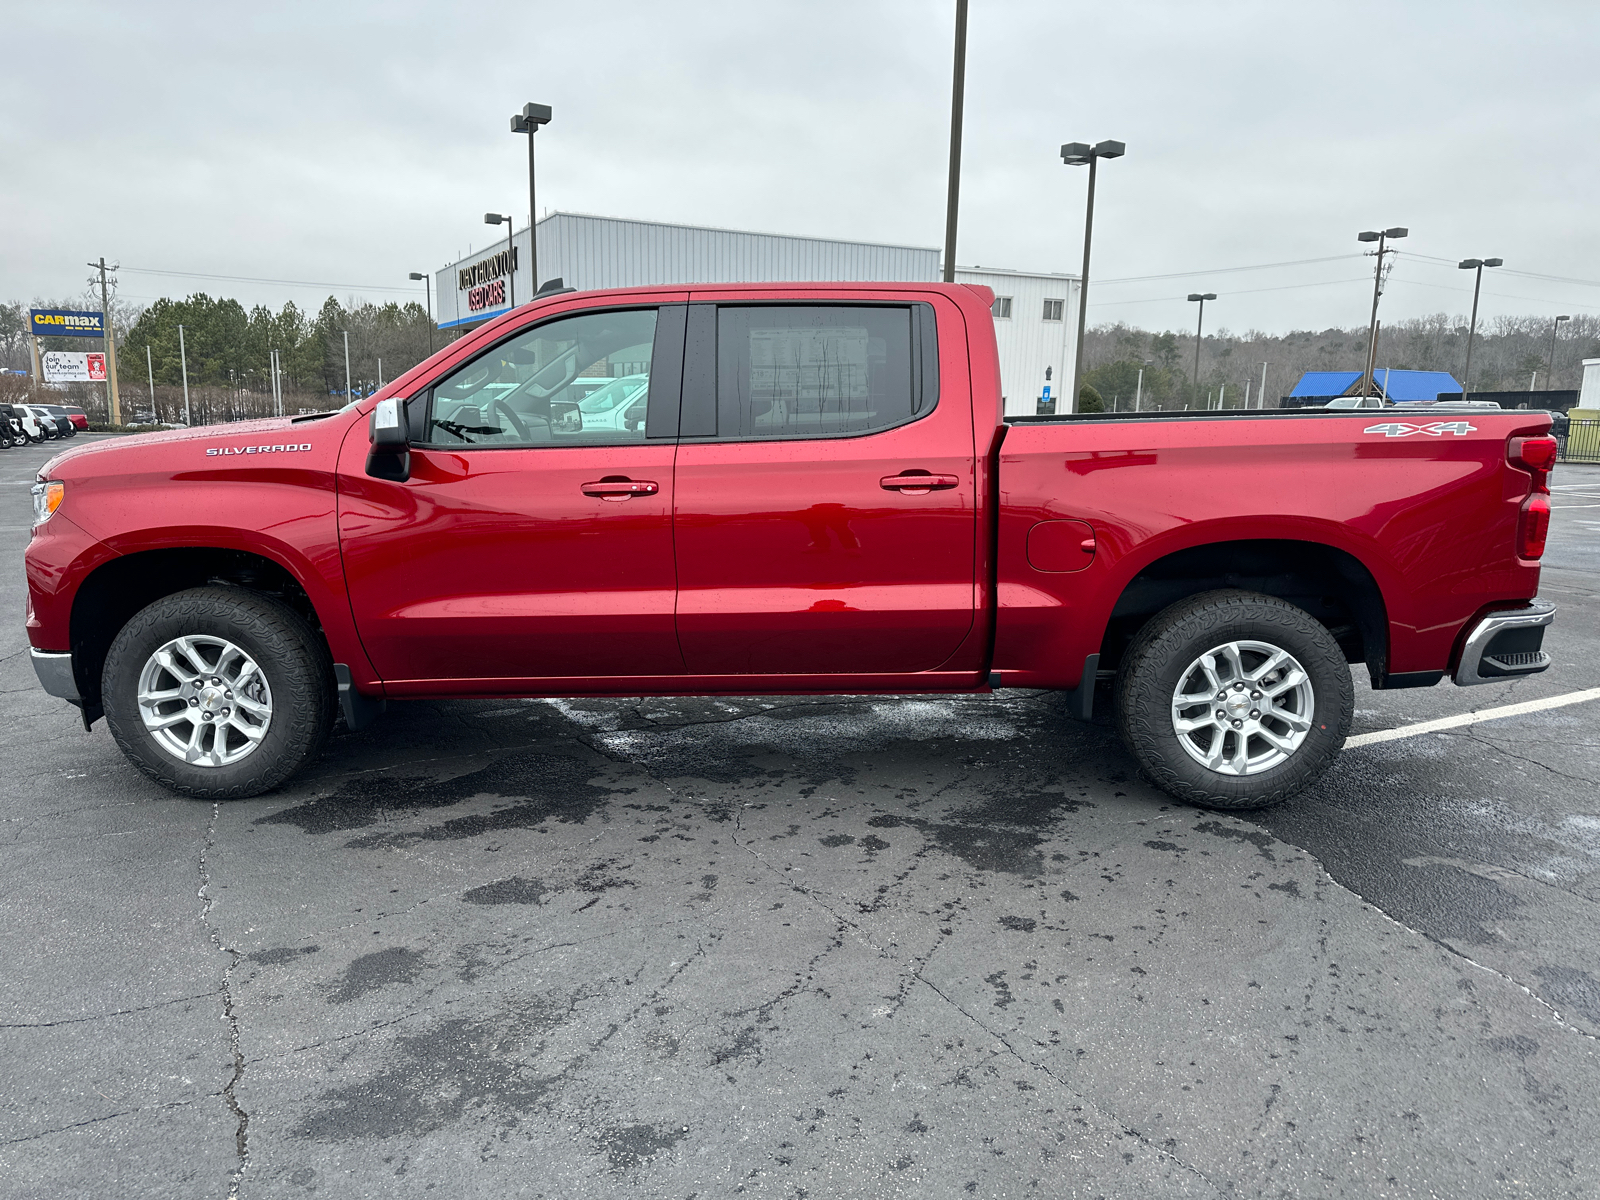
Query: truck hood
x,y
148,447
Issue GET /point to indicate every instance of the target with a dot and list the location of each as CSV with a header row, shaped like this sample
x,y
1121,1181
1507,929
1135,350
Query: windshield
x,y
618,391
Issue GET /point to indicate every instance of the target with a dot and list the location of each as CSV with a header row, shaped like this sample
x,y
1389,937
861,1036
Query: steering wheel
x,y
499,408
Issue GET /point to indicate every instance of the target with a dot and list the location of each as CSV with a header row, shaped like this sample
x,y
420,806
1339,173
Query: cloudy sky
x,y
347,144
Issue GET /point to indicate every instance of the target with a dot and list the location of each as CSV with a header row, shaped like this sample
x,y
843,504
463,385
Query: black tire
x,y
290,655
1162,656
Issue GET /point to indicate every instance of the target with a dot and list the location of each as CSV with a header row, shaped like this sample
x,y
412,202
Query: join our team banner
x,y
65,366
66,322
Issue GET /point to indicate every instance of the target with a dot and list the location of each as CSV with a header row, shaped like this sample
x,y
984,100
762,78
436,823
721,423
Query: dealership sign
x,y
484,280
64,366
65,322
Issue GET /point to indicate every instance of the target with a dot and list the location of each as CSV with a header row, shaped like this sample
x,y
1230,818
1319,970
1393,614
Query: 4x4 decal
x,y
1432,428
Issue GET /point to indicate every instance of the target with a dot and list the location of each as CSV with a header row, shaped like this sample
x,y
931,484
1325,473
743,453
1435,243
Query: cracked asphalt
x,y
806,947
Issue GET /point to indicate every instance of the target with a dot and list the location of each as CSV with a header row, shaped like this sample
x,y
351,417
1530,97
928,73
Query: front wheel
x,y
1234,699
218,693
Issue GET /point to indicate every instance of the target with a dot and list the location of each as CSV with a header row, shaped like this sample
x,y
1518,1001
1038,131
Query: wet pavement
x,y
807,947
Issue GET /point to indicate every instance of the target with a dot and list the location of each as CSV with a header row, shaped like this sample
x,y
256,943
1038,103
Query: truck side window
x,y
822,370
582,380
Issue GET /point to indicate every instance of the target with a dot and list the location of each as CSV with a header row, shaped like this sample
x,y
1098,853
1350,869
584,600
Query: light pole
x,y
1261,398
183,359
957,93
1198,325
528,121
427,291
1381,237
511,251
1551,373
1077,154
1476,265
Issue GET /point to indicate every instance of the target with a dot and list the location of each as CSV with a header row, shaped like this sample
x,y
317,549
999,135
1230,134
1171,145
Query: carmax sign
x,y
65,322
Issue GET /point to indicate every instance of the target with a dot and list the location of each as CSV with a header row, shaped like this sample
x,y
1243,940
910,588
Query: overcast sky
x,y
349,144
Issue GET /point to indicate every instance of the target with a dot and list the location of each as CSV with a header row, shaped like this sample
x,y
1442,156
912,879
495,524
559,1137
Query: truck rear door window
x,y
818,370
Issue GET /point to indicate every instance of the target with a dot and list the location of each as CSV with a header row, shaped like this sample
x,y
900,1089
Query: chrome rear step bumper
x,y
1505,645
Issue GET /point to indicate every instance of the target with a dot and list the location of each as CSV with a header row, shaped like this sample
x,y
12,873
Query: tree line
x,y
228,351
1508,354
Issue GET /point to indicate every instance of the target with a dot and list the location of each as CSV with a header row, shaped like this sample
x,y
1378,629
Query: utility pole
x,y
347,396
1550,374
1381,237
183,358
958,85
150,372
1261,401
1138,392
113,401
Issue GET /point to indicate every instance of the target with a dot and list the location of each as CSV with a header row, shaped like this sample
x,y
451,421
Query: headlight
x,y
47,497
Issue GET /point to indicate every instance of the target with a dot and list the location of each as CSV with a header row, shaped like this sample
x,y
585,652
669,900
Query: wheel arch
x,y
113,592
1330,583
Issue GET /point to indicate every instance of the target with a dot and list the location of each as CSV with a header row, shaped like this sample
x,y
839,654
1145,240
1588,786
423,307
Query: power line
x,y
1435,260
1241,292
367,287
1299,262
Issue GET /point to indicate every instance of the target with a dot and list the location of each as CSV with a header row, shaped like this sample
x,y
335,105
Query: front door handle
x,y
620,489
913,484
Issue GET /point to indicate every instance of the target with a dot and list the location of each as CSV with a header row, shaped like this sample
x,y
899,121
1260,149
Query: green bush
x,y
1089,400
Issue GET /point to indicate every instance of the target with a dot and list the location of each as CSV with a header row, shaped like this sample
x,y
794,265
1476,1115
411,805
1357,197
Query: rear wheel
x,y
218,693
1233,699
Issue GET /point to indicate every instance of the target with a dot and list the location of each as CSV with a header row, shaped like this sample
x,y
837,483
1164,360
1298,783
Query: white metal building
x,y
1035,313
1035,327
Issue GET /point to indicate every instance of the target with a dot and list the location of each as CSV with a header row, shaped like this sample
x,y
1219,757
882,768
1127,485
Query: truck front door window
x,y
538,388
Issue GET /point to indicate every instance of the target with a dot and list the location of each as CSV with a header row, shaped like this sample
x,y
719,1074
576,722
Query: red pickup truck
x,y
804,488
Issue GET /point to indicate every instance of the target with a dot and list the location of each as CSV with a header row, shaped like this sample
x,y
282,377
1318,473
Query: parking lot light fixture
x,y
1551,373
427,291
511,251
1382,237
1077,154
528,121
1475,265
1202,297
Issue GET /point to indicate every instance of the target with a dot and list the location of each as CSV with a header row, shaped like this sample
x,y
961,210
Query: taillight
x,y
1533,526
1536,455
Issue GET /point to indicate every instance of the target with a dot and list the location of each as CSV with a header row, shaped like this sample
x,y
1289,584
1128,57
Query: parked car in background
x,y
63,419
1358,402
11,433
79,418
29,424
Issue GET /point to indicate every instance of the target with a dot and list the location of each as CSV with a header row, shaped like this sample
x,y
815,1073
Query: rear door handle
x,y
620,489
917,485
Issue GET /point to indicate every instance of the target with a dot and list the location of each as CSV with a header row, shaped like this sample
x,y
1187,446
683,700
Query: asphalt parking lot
x,y
807,947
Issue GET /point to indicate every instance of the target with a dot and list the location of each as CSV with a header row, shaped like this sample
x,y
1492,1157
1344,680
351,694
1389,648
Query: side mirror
x,y
390,456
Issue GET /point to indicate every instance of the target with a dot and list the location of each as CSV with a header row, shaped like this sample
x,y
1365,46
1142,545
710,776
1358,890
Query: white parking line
x,y
1472,718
